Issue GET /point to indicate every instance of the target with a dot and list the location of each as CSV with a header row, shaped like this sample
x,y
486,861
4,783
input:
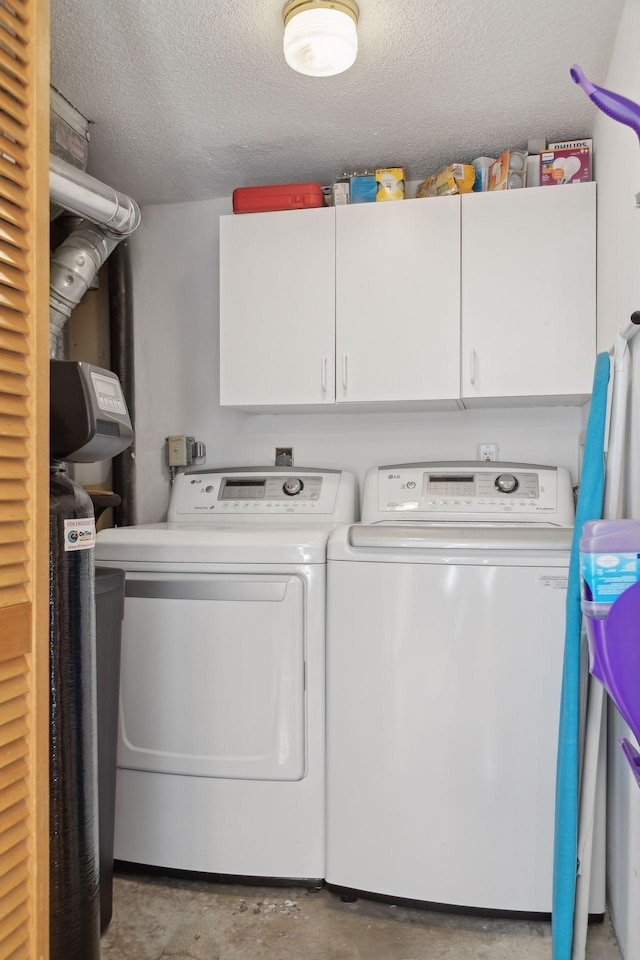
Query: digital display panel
x,y
243,489
108,386
450,485
442,479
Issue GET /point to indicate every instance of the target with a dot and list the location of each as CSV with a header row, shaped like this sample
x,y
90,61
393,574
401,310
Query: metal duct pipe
x,y
87,197
73,267
77,260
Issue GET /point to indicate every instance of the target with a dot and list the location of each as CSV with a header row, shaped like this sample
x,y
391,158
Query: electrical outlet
x,y
487,451
284,456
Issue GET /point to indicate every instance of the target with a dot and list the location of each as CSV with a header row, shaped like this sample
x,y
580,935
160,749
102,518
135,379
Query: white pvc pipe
x,y
617,426
593,767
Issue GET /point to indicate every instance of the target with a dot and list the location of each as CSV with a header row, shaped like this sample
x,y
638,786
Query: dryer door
x,y
212,676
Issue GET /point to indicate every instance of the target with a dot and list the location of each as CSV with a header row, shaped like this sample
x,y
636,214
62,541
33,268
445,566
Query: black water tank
x,y
74,856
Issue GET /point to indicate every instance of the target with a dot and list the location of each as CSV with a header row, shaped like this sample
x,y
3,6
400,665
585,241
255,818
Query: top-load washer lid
x,y
452,543
241,515
469,491
468,536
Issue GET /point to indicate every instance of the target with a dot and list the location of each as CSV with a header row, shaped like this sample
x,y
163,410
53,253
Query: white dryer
x,y
221,752
445,641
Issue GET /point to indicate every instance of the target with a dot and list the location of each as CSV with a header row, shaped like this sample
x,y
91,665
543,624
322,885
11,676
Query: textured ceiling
x,y
190,100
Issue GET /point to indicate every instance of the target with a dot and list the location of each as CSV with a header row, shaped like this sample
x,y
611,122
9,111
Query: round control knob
x,y
507,483
292,486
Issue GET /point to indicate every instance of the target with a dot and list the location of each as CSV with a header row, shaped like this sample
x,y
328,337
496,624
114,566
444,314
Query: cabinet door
x,y
277,308
398,300
528,293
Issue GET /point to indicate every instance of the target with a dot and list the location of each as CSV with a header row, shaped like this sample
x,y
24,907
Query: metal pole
x,y
122,363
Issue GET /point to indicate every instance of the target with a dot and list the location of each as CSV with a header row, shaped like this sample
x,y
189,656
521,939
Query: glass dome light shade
x,y
320,41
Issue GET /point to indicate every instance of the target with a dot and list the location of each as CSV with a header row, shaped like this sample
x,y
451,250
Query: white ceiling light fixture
x,y
320,36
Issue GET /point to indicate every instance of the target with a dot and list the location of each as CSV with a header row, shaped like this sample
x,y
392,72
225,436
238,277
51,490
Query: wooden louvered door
x,y
24,367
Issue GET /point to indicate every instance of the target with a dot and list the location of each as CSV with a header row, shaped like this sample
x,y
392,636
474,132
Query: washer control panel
x,y
474,487
263,489
214,494
463,491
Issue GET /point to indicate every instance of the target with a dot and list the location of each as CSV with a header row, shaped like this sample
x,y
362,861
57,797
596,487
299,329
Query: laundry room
x,y
362,790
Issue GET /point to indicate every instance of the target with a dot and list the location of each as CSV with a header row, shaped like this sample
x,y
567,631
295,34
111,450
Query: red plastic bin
x,y
286,196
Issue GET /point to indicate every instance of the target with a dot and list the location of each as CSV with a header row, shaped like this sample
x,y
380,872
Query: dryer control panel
x,y
469,491
262,492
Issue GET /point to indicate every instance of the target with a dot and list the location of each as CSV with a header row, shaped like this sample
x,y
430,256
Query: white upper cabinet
x,y
481,300
398,301
528,295
277,307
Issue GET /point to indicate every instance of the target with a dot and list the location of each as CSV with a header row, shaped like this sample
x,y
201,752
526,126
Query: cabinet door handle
x,y
324,374
472,367
345,371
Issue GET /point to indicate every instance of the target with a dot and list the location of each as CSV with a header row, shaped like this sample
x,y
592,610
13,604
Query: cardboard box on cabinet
x,y
570,165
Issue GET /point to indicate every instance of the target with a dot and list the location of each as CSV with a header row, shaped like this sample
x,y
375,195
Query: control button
x,y
532,493
411,485
209,489
292,486
506,483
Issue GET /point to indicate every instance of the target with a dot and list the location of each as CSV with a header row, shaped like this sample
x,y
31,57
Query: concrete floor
x,y
156,918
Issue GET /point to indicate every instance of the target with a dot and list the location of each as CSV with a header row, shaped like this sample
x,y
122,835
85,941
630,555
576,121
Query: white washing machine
x,y
445,640
221,752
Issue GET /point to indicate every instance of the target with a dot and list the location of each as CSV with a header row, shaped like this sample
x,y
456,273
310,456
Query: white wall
x,y
618,176
175,265
175,270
